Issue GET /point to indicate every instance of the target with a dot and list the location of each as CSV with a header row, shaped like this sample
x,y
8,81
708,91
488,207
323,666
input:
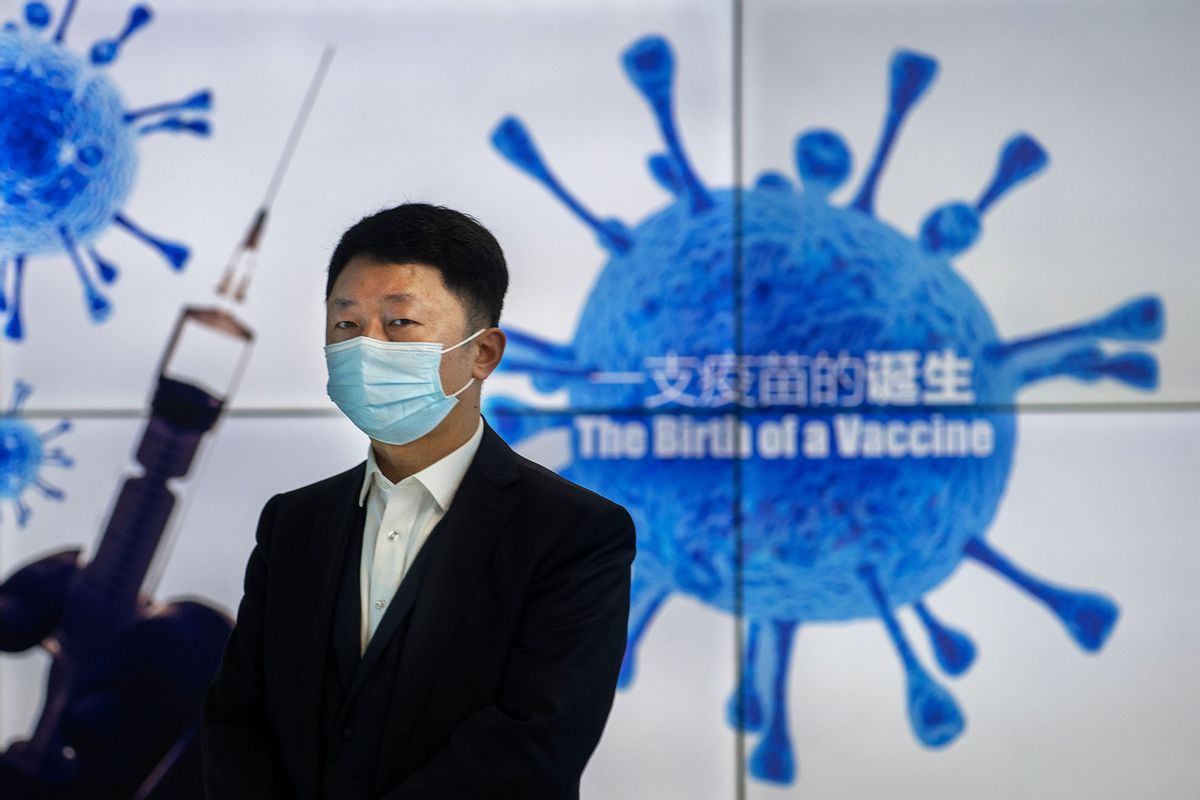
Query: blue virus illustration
x,y
733,319
23,454
67,153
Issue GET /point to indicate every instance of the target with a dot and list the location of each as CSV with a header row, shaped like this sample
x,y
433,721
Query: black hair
x,y
455,244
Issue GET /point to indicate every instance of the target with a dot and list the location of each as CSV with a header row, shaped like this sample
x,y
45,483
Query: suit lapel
x,y
332,527
458,550
347,612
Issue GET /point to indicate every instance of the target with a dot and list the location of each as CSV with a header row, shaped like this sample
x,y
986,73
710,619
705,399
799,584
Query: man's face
x,y
400,303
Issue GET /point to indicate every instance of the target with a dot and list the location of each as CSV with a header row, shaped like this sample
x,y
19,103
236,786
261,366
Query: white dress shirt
x,y
400,517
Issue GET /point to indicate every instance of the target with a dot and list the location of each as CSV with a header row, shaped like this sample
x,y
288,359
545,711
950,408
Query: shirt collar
x,y
441,478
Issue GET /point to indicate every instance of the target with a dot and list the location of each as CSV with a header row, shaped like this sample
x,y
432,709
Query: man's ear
x,y
487,356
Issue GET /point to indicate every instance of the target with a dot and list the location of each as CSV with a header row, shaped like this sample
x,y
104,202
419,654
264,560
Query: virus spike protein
x,y
37,15
175,254
823,161
1072,350
97,305
911,75
954,649
745,709
105,51
1087,616
514,142
63,23
549,364
932,711
954,227
772,758
198,101
15,329
650,65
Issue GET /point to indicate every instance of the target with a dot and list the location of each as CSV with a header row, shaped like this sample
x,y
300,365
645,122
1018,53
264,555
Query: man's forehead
x,y
389,281
415,270
388,284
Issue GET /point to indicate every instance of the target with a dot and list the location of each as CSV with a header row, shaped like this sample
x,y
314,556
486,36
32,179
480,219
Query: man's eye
x,y
344,324
402,322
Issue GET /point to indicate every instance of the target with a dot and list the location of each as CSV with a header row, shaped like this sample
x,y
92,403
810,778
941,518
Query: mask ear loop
x,y
463,389
460,344
464,341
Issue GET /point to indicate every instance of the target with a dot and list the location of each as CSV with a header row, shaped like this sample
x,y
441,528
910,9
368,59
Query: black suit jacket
x,y
510,659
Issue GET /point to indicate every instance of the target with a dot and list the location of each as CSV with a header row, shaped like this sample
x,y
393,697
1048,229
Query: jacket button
x,y
347,732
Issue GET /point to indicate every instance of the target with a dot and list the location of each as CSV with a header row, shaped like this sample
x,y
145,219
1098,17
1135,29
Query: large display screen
x,y
879,317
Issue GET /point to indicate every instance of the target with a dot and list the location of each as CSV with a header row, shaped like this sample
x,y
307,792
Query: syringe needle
x,y
249,244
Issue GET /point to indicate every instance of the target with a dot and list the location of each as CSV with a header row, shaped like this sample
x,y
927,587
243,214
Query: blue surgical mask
x,y
391,390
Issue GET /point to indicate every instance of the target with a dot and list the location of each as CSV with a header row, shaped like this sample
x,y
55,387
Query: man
x,y
446,620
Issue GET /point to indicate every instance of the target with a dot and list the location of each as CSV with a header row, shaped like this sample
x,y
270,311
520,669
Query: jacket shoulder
x,y
546,485
321,491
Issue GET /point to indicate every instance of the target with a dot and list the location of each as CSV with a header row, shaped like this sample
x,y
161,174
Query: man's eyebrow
x,y
340,303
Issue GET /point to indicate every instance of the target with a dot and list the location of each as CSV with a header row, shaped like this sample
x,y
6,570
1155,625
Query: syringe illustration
x,y
121,713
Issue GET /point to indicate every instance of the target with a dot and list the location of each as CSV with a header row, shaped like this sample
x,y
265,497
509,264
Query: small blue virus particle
x,y
67,154
23,453
878,520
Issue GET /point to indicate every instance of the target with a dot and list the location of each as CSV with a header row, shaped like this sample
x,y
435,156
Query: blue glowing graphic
x,y
761,365
23,453
67,153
